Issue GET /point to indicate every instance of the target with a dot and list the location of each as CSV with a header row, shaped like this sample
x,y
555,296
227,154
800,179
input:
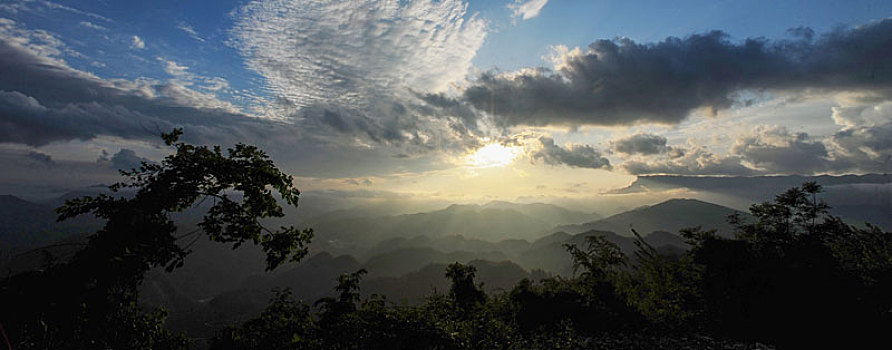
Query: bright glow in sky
x,y
493,155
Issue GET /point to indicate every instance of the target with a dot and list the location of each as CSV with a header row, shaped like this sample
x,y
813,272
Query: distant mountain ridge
x,y
671,215
25,225
493,221
857,198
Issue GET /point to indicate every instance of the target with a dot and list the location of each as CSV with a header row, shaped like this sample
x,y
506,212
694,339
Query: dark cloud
x,y
127,159
645,144
43,100
357,182
40,158
580,156
621,82
773,150
452,107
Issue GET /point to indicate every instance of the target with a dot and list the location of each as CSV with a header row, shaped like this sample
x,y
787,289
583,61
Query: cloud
x,y
645,144
175,69
182,76
621,82
773,150
777,151
865,148
40,158
526,10
360,68
696,160
42,6
185,27
579,156
126,159
322,51
43,100
91,25
861,109
137,43
358,182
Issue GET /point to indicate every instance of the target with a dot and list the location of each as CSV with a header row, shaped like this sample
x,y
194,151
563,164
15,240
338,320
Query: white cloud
x,y
357,72
861,109
183,77
137,42
347,52
91,25
526,10
189,30
175,69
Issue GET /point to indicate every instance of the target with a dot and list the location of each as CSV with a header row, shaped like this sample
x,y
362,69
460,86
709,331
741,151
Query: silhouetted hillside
x,y
509,247
26,225
414,286
310,280
404,260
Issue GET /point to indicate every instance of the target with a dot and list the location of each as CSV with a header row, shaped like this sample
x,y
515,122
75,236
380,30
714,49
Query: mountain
x,y
857,198
549,213
309,280
405,260
470,221
550,254
456,243
25,225
672,216
415,286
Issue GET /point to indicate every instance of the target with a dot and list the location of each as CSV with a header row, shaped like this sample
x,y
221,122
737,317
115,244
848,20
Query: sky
x,y
454,100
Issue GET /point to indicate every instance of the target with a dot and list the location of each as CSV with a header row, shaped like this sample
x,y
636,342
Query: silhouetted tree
x,y
795,265
78,304
664,288
463,291
284,324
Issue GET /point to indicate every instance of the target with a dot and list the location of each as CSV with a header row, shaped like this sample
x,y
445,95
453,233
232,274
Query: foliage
x,y
663,288
285,324
600,259
796,265
78,303
463,292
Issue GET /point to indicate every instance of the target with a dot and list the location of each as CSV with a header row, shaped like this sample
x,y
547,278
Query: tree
x,y
285,324
463,291
664,288
599,260
796,265
73,303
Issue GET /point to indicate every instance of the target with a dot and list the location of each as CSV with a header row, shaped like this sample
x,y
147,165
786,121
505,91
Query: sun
x,y
493,155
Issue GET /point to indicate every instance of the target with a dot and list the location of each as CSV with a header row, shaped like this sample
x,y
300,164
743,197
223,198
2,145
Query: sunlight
x,y
493,155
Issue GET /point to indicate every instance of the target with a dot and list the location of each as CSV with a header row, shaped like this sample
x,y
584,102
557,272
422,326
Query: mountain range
x,y
405,254
672,216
